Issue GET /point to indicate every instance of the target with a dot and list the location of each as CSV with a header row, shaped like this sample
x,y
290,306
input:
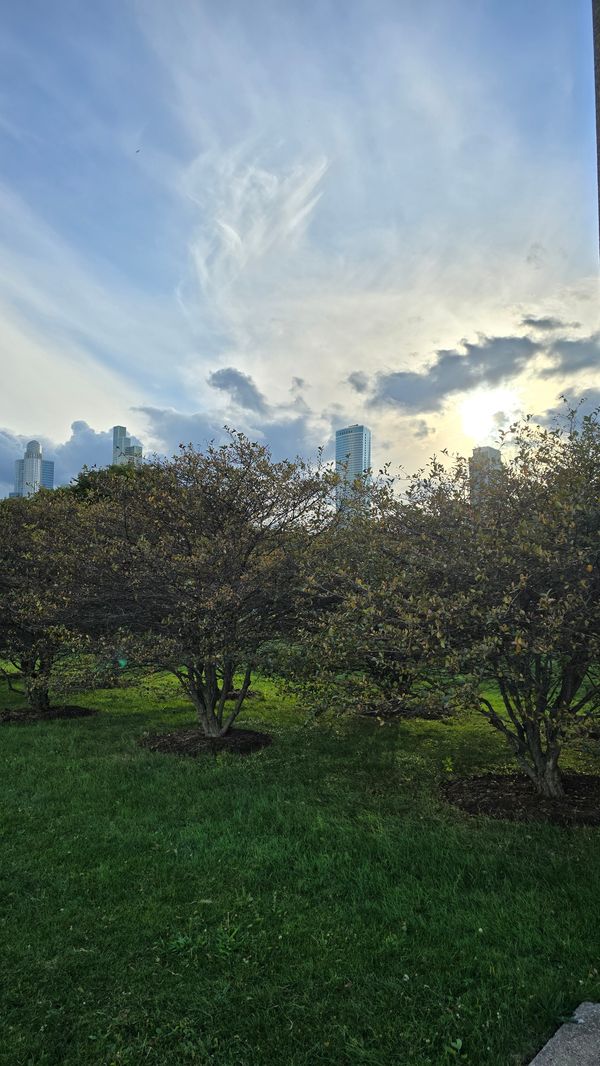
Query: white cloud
x,y
45,382
75,334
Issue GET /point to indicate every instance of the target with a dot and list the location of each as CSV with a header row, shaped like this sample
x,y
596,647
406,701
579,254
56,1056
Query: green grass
x,y
311,904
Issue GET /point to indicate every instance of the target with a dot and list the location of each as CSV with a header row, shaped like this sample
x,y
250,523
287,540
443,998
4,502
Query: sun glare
x,y
486,411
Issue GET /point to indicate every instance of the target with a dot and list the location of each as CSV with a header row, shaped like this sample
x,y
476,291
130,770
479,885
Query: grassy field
x,y
314,903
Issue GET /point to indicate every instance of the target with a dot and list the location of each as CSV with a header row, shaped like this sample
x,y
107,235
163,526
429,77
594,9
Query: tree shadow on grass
x,y
462,746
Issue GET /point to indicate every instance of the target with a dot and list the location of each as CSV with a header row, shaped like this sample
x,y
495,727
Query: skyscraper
x,y
483,465
352,458
33,472
125,453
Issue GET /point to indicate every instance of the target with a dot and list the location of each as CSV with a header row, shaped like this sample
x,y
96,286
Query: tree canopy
x,y
203,563
204,555
512,585
43,587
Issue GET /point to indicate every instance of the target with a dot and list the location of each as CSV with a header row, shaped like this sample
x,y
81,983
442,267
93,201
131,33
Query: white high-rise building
x,y
352,458
484,463
125,453
32,472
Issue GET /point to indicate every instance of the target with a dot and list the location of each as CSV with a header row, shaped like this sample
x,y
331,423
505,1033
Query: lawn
x,y
314,903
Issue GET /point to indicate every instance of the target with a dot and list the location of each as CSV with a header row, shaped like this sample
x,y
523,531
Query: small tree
x,y
43,545
357,650
511,586
203,561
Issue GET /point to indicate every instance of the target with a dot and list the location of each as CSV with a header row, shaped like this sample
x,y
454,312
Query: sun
x,y
485,411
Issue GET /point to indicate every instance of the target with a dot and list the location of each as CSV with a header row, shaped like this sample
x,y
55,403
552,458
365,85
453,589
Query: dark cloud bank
x,y
489,361
241,388
547,323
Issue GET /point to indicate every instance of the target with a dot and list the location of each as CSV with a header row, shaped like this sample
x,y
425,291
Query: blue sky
x,y
285,217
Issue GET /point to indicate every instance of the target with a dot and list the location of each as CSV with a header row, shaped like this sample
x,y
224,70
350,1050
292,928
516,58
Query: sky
x,y
289,217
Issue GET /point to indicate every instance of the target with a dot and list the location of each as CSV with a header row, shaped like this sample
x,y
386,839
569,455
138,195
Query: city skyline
x,y
321,218
351,460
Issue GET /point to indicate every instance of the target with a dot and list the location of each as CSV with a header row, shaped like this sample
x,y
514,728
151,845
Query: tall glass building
x,y
352,457
32,471
124,452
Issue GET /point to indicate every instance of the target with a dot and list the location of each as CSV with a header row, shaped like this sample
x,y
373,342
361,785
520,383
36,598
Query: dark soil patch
x,y
513,797
193,742
9,715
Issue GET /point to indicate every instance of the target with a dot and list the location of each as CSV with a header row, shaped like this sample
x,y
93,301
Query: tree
x,y
43,550
203,562
511,586
355,650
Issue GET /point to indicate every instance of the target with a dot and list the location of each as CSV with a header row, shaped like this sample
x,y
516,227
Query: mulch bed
x,y
193,742
9,716
513,797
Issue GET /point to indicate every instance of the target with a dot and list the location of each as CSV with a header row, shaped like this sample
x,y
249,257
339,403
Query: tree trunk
x,y
204,695
238,703
207,718
538,762
37,695
210,724
544,771
548,782
209,698
206,705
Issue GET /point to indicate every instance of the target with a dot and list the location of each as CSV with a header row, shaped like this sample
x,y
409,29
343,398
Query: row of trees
x,y
215,565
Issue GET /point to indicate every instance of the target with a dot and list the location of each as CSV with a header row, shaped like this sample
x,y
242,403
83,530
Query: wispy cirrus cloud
x,y
74,326
249,213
